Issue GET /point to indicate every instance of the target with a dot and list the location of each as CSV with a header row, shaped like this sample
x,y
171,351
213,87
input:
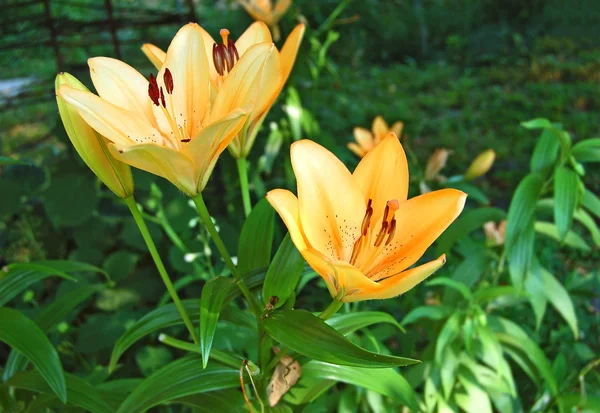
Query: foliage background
x,y
461,74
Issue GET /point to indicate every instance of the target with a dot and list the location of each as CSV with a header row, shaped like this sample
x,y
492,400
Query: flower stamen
x,y
225,54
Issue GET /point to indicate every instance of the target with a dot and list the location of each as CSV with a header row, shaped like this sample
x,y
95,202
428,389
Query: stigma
x,y
225,54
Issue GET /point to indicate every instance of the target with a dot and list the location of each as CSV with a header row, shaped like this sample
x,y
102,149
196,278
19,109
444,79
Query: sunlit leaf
x,y
256,239
572,239
587,150
565,199
560,300
284,273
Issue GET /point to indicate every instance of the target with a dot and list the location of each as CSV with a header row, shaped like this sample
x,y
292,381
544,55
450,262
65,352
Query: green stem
x,y
331,309
203,212
243,172
137,216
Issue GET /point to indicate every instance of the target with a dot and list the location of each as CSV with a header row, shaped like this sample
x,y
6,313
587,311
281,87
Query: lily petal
x,y
116,124
397,128
122,85
240,88
380,128
257,32
364,138
155,54
331,205
383,174
159,160
359,151
397,284
286,205
187,61
419,222
210,142
289,51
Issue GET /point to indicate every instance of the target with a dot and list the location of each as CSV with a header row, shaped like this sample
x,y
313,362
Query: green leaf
x,y
284,273
468,273
178,379
214,295
351,322
491,293
23,335
438,312
465,224
120,264
545,153
522,207
560,300
566,183
447,335
62,207
521,254
455,285
78,391
20,276
535,290
591,202
537,123
587,150
51,314
531,351
387,382
224,401
310,336
475,399
572,239
6,160
587,221
256,239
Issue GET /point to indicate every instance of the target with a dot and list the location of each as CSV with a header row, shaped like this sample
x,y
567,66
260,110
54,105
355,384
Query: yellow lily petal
x,y
364,138
116,124
91,146
206,146
240,88
419,222
397,128
257,32
380,128
397,284
154,54
289,51
383,174
331,205
286,205
122,85
187,61
159,160
359,151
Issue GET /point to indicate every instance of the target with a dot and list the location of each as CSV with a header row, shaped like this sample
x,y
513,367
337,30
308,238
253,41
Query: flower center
x,y
386,232
157,95
225,54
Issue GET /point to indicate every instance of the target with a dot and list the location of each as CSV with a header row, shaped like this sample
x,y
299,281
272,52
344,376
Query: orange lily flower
x,y
263,10
358,230
367,140
174,125
272,79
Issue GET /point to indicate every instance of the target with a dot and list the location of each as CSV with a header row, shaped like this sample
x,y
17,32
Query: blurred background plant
x,y
510,323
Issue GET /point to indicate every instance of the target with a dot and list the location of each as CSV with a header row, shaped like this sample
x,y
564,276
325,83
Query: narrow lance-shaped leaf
x,y
545,153
587,150
256,239
22,334
565,199
284,273
560,300
310,336
214,296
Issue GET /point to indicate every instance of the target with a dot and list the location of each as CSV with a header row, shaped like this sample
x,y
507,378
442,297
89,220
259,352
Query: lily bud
x,y
91,146
435,163
494,234
481,164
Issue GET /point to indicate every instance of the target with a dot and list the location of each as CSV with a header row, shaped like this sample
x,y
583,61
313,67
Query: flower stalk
x,y
244,186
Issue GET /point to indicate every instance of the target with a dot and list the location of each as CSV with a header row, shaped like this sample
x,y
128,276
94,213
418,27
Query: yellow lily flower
x,y
272,79
263,10
91,146
175,125
358,230
481,164
367,140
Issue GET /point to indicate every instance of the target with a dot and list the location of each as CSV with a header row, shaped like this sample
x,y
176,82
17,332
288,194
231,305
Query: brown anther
x,y
153,91
381,235
391,232
162,98
356,250
225,54
168,79
366,221
219,58
185,140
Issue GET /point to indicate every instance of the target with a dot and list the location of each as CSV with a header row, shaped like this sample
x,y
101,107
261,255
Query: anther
x,y
366,221
225,54
168,79
381,234
162,98
391,232
185,140
153,91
